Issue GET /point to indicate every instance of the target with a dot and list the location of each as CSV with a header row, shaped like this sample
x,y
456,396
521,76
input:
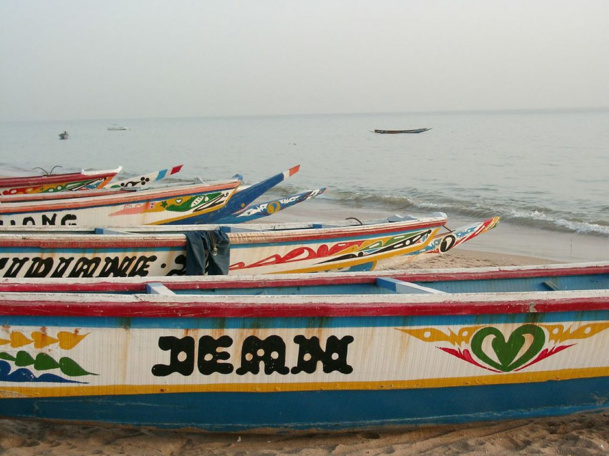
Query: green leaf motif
x,y
507,351
45,362
71,368
23,359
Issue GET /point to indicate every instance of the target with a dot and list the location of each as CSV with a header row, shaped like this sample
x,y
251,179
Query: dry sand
x,y
585,434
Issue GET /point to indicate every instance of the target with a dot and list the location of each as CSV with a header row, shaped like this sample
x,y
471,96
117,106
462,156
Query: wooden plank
x,y
399,286
156,288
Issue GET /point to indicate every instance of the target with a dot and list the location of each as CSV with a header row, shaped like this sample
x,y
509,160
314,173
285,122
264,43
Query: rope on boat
x,y
48,173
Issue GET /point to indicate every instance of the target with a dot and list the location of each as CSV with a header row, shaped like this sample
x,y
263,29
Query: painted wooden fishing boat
x,y
235,249
195,203
52,183
116,127
300,352
393,132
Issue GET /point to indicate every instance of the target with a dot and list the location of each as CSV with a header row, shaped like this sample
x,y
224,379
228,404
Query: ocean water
x,y
543,172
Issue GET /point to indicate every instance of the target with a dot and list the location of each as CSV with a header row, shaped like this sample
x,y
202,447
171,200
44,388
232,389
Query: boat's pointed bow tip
x,y
293,170
176,169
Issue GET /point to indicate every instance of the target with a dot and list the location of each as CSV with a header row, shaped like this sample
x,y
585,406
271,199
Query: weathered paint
x,y
229,362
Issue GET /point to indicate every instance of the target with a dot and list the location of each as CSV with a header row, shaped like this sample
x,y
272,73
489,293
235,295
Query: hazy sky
x,y
110,59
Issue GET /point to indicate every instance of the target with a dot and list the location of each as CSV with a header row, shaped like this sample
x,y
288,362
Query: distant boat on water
x,y
393,132
64,135
116,127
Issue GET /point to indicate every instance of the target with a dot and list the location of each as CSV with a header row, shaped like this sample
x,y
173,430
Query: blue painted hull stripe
x,y
335,322
323,409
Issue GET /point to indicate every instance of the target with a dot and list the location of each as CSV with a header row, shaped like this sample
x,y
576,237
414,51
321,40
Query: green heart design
x,y
506,351
45,362
23,359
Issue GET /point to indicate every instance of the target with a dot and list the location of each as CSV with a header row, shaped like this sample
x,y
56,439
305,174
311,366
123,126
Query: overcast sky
x,y
76,59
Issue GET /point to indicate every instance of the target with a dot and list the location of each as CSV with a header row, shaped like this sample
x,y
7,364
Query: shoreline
x,y
521,244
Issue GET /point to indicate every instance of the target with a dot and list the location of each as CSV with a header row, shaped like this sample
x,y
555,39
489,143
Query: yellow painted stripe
x,y
491,379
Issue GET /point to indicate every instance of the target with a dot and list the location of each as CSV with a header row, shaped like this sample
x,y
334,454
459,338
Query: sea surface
x,y
546,173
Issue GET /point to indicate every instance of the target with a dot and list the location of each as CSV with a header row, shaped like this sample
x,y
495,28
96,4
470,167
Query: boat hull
x,y
366,373
175,205
85,180
306,352
145,207
265,250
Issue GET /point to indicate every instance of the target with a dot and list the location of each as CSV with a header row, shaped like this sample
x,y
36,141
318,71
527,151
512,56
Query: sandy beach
x,y
582,434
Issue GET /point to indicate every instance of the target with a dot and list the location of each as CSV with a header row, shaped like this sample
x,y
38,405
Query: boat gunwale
x,y
318,279
262,236
313,305
22,304
122,197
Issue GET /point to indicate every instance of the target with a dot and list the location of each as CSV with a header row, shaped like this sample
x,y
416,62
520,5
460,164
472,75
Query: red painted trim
x,y
355,278
316,308
501,273
35,181
140,196
271,281
24,197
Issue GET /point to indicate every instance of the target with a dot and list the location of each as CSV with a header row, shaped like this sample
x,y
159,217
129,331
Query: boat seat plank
x,y
399,286
551,285
110,231
157,288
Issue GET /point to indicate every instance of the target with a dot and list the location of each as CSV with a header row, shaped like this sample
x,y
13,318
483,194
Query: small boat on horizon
x,y
393,132
64,135
115,127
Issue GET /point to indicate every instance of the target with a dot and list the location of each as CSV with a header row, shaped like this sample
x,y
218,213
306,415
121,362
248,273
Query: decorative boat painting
x,y
301,352
145,180
251,249
195,203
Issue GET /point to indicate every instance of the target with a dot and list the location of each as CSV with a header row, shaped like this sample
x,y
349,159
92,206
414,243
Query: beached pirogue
x,y
47,183
83,180
322,351
194,203
226,249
